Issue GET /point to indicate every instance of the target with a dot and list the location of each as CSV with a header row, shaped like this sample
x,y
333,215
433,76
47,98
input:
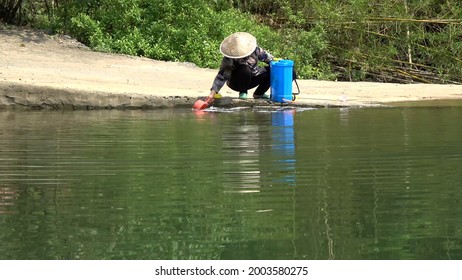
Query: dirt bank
x,y
38,70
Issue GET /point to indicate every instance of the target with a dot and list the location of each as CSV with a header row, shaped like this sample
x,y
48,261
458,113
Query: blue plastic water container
x,y
281,80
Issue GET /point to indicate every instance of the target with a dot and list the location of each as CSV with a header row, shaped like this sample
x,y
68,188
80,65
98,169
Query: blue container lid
x,y
283,62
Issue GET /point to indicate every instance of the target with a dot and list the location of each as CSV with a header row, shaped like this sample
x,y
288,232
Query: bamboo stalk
x,y
381,20
408,35
412,76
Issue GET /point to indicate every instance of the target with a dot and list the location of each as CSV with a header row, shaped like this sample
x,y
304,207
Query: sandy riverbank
x,y
43,71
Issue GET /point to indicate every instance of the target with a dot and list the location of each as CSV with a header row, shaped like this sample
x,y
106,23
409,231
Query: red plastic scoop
x,y
200,105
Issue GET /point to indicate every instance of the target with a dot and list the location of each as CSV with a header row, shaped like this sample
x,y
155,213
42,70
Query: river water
x,y
321,184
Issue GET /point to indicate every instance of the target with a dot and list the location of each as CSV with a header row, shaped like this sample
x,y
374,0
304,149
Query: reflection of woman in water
x,y
243,144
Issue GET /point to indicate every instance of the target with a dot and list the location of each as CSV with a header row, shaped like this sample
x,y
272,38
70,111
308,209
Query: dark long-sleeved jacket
x,y
229,64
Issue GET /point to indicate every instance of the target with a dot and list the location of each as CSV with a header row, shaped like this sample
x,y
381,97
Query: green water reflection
x,y
174,184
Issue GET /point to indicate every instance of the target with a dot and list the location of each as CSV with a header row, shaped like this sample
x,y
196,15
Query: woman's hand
x,y
211,97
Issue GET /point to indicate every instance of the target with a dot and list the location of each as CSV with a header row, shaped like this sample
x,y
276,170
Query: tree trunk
x,y
9,10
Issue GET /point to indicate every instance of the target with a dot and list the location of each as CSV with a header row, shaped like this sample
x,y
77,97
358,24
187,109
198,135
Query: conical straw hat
x,y
238,45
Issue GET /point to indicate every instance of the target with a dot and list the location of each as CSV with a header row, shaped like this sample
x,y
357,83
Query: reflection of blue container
x,y
283,145
281,80
283,131
283,118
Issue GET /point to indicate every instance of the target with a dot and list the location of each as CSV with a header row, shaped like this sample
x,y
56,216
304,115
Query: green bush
x,y
334,39
86,30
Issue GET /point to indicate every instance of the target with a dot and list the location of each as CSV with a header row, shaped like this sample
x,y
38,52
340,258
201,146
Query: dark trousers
x,y
242,80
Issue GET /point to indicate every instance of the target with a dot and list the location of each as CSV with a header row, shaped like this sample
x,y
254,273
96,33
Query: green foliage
x,y
308,49
86,30
335,39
